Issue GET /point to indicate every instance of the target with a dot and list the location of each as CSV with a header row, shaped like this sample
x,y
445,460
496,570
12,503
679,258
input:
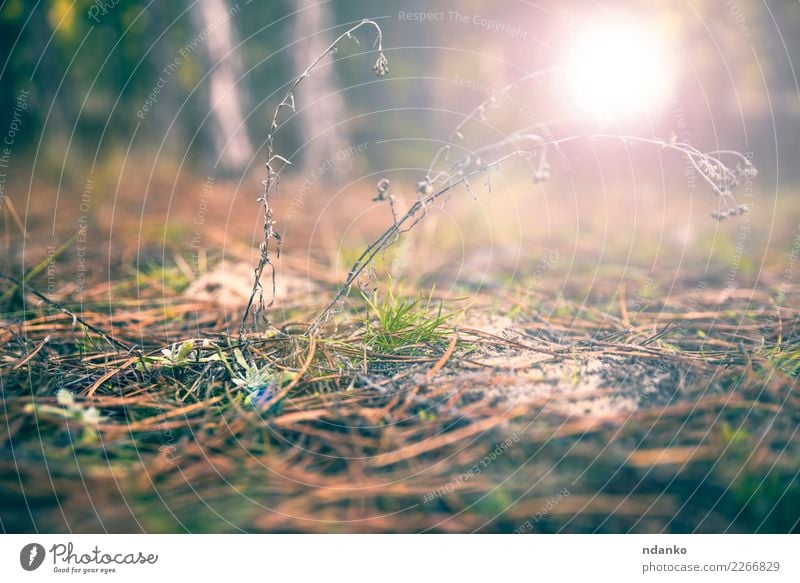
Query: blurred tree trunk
x,y
213,22
320,139
48,74
163,51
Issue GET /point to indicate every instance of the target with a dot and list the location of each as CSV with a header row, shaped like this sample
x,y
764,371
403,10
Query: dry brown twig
x,y
380,68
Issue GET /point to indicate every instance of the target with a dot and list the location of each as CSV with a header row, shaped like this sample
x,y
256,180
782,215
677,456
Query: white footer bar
x,y
382,558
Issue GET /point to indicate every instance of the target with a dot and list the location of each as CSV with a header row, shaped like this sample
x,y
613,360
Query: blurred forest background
x,y
194,82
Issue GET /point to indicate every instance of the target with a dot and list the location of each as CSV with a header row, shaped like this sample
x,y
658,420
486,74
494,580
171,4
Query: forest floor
x,y
591,378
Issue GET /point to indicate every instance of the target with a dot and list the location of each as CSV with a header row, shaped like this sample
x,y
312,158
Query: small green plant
x,y
403,325
87,417
260,383
184,356
178,355
174,357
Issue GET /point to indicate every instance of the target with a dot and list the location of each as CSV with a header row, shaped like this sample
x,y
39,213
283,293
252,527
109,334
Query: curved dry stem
x,y
271,237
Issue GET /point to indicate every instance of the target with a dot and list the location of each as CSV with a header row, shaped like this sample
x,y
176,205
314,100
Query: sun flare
x,y
619,69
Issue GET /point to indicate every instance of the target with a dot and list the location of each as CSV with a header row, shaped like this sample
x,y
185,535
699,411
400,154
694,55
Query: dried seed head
x,y
383,190
746,172
381,66
542,173
424,188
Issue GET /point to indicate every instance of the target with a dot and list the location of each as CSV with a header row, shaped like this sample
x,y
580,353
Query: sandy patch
x,y
229,284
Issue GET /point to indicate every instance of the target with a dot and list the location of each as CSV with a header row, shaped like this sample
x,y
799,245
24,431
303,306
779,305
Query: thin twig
x,y
75,318
273,174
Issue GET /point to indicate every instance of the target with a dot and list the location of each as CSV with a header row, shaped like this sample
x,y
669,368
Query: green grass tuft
x,y
398,325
